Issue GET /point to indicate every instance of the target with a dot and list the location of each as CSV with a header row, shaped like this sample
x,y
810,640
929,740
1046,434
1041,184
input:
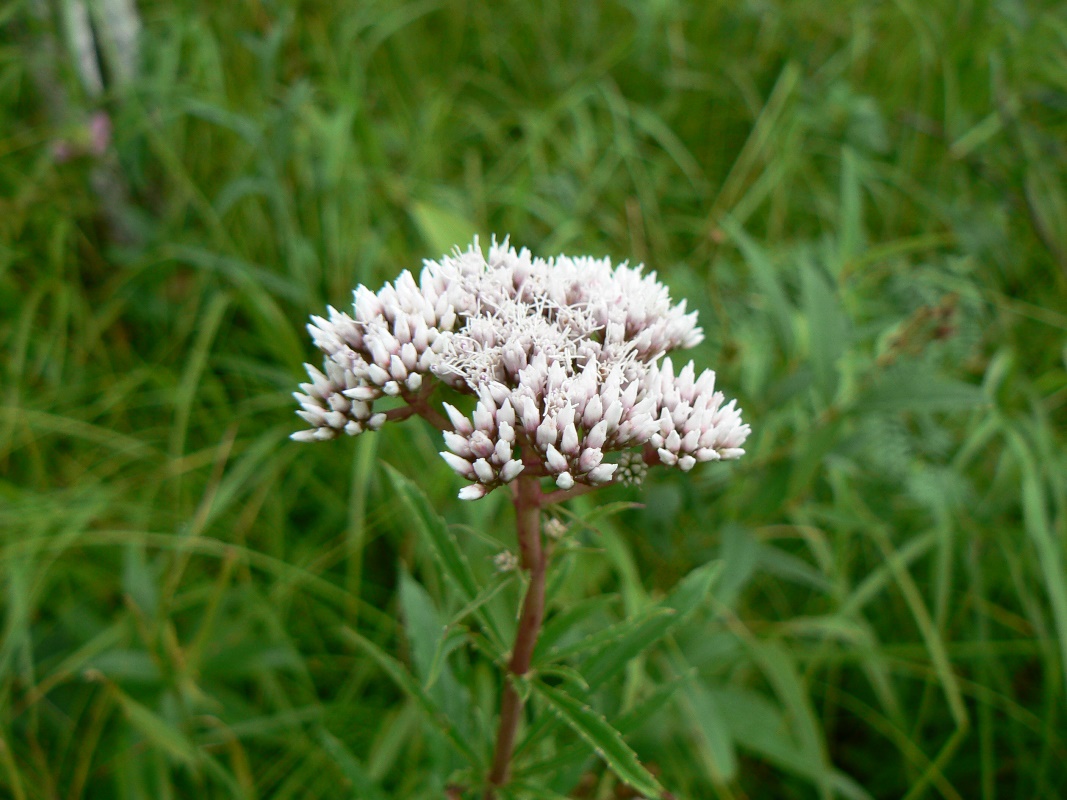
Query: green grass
x,y
867,202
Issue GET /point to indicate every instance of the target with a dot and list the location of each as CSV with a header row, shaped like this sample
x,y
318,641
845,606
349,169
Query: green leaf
x,y
524,789
410,686
604,739
699,705
913,387
568,620
430,647
487,593
827,328
850,234
760,727
600,512
780,670
673,609
364,787
765,275
739,554
655,617
421,623
442,228
436,533
1045,540
443,544
787,566
639,714
157,730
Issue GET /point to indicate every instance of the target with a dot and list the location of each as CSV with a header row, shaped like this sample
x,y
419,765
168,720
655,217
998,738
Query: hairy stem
x,y
527,500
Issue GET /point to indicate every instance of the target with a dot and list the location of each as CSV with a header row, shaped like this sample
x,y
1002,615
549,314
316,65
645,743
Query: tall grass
x,y
867,202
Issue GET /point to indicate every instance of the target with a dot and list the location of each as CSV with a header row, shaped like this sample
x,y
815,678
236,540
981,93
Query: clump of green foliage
x,y
867,203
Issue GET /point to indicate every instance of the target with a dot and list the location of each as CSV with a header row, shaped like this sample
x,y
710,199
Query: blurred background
x,y
867,203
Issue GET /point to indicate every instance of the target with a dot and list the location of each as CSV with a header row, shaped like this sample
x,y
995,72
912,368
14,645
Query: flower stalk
x,y
534,559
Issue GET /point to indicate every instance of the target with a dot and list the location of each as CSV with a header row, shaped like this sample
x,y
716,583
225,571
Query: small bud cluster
x,y
632,468
693,425
555,529
506,561
562,357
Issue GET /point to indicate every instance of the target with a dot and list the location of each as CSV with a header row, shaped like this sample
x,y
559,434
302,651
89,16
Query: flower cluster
x,y
564,357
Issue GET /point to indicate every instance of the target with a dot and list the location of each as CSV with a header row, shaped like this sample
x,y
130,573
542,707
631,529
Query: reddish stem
x,y
527,499
560,495
418,403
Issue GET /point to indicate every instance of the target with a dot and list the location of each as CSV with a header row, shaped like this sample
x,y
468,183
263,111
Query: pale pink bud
x,y
590,458
481,445
556,461
505,432
597,436
377,375
546,432
594,412
484,471
459,465
511,470
570,444
602,474
502,452
460,424
457,444
473,491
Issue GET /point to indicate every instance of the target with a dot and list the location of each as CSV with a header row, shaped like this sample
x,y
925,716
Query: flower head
x,y
564,356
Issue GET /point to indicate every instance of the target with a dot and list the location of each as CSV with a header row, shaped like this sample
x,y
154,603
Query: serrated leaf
x,y
568,620
602,737
407,683
687,596
613,634
647,707
487,593
565,673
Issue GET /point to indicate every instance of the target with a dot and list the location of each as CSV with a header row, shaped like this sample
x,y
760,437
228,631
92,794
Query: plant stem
x,y
534,559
